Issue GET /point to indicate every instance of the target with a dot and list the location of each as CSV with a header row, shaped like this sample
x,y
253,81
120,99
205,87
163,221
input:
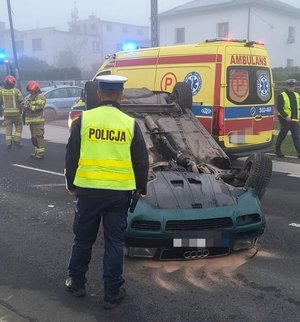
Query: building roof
x,y
207,5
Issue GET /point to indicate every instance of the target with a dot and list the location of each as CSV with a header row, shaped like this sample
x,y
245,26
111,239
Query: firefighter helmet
x,y
10,80
32,86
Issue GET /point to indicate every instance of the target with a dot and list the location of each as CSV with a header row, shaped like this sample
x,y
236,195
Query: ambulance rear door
x,y
248,118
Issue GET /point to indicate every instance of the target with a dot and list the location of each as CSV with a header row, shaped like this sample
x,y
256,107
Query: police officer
x,y
34,117
288,107
106,159
12,100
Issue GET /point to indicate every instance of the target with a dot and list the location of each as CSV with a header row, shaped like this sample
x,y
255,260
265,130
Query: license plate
x,y
202,240
189,242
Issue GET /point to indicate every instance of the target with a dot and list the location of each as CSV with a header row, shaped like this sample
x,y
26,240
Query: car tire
x,y
49,114
182,94
258,170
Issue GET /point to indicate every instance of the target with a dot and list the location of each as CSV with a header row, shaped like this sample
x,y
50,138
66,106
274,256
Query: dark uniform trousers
x,y
112,207
285,127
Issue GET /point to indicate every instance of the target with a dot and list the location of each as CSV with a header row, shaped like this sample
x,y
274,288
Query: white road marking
x,y
293,224
39,170
292,169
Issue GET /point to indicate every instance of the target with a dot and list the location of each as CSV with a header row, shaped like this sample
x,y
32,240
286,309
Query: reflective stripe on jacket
x,y
105,158
287,105
11,100
35,109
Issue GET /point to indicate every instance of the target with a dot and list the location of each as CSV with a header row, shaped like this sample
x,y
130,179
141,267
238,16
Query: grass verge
x,y
287,147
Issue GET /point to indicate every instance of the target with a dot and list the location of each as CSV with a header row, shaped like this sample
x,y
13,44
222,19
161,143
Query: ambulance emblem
x,y
263,85
195,81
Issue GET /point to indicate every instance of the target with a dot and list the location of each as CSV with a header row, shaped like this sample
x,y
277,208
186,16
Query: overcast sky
x,y
31,14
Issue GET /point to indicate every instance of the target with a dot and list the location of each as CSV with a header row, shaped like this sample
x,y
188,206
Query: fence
x,y
44,83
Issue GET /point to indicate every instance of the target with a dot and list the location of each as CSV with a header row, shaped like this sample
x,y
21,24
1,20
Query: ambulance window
x,y
107,72
248,85
263,85
238,85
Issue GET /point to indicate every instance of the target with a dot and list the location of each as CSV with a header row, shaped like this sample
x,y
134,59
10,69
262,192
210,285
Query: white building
x,y
85,45
273,22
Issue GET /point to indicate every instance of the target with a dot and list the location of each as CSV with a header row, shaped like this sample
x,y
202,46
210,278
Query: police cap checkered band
x,y
291,82
111,82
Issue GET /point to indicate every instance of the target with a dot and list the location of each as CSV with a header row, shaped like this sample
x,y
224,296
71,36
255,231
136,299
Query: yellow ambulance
x,y
231,83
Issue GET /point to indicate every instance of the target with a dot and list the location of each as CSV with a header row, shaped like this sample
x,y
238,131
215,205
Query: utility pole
x,y
248,23
154,23
11,26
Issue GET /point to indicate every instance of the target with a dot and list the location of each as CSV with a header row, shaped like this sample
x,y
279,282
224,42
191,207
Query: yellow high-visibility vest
x,y
105,159
287,104
11,99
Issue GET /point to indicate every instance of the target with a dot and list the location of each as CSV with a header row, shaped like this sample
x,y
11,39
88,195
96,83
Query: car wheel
x,y
182,94
258,172
50,115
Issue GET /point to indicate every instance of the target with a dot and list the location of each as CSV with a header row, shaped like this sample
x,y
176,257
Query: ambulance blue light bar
x,y
130,45
3,56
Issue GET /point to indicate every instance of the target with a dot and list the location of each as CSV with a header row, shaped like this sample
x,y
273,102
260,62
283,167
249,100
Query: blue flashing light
x,y
3,56
130,45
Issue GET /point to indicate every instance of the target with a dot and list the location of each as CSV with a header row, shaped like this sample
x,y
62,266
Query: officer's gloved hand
x,y
32,107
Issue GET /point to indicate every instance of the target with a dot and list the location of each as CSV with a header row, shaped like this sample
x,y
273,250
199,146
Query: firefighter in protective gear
x,y
106,159
34,117
12,100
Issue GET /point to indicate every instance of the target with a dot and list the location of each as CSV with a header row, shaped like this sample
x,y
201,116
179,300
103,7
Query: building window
x,y
93,27
290,63
291,35
222,29
179,35
37,44
108,27
20,46
96,46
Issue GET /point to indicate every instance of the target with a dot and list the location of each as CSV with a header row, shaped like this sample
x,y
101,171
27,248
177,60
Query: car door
x,y
58,99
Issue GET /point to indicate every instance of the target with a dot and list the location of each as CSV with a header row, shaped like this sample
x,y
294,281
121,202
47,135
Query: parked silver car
x,y
59,99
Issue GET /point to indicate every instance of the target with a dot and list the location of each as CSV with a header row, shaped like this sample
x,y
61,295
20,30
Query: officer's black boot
x,y
111,301
76,290
278,152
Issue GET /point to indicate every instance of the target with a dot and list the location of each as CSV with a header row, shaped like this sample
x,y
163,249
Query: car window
x,y
57,93
74,91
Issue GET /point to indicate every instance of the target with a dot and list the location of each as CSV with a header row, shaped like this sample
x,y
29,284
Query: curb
x,y
286,158
7,315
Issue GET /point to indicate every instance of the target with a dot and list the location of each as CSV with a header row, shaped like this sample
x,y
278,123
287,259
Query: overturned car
x,y
198,205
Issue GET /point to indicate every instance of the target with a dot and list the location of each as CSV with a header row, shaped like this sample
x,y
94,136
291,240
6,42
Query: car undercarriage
x,y
198,204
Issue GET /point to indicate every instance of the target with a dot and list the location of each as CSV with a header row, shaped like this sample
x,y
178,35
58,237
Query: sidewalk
x,y
56,132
